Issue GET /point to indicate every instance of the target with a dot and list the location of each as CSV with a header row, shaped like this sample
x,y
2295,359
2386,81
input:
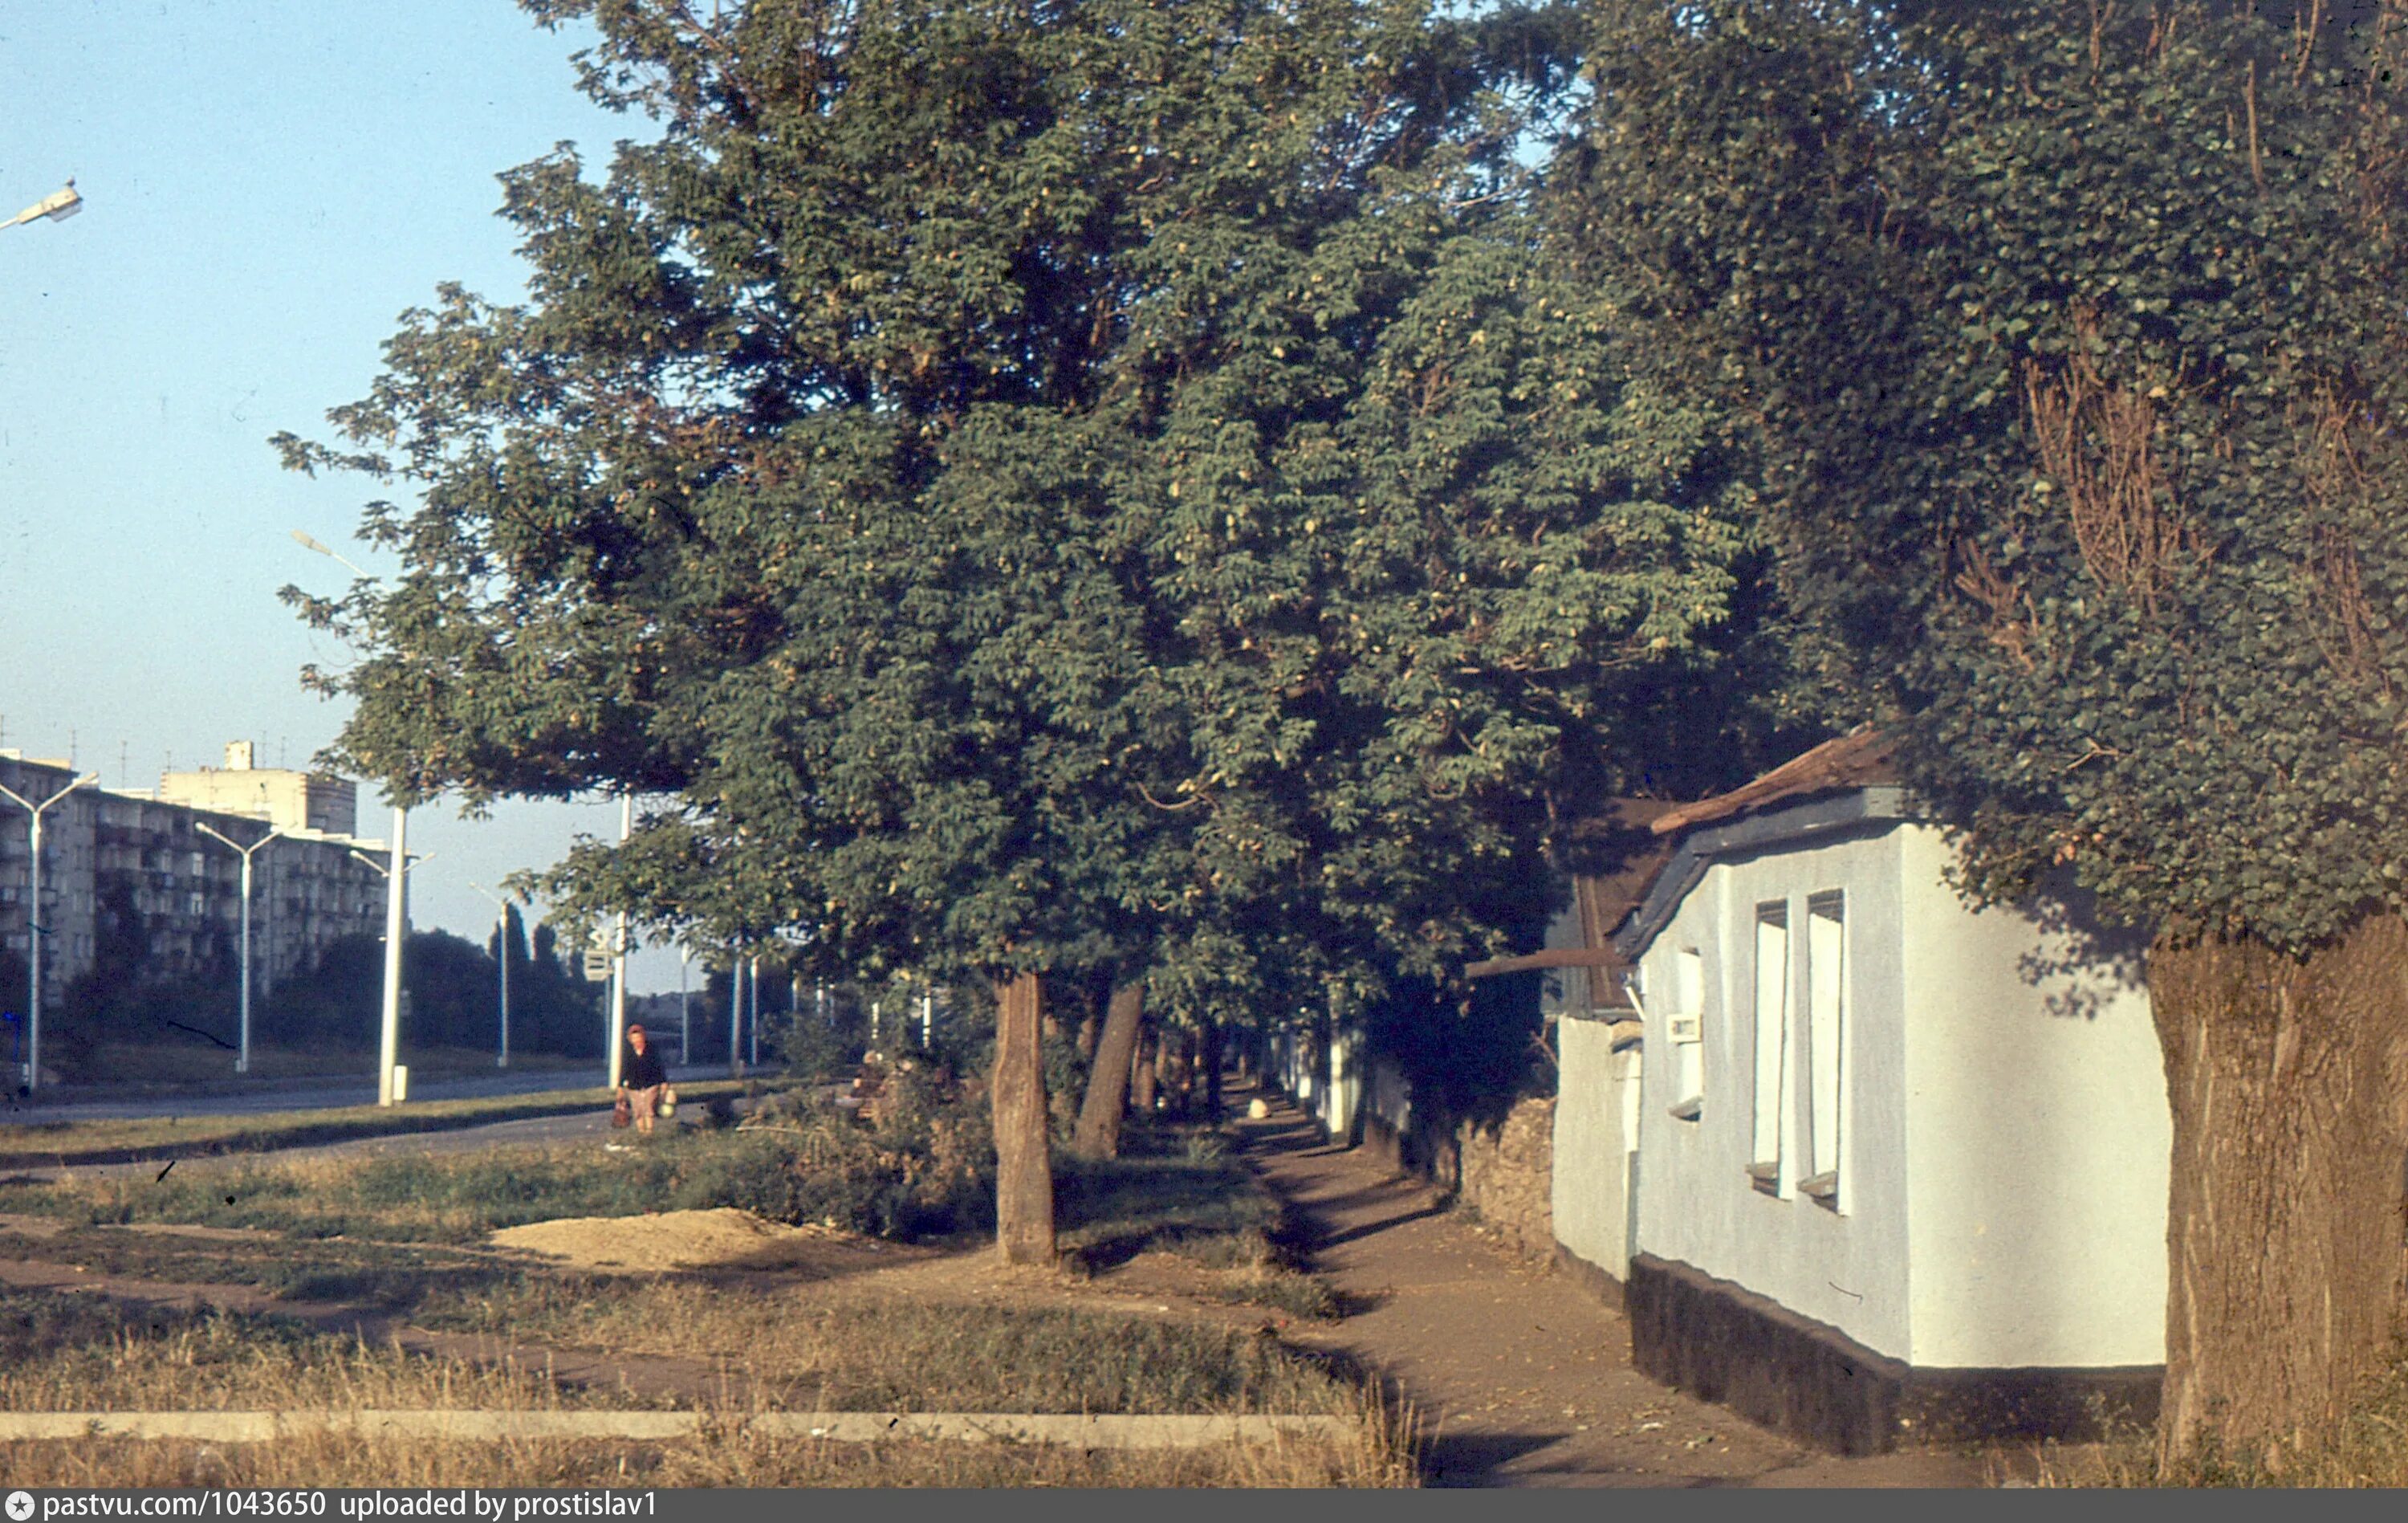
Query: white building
x,y
1861,1162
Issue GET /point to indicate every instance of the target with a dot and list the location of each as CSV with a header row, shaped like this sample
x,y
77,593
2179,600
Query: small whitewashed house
x,y
1858,1160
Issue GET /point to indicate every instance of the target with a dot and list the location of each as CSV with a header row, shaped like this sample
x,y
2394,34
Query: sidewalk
x,y
1516,1376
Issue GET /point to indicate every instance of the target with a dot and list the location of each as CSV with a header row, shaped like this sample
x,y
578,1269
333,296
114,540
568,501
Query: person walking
x,y
641,1079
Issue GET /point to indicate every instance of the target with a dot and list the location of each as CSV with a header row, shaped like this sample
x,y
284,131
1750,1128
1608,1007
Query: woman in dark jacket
x,y
641,1078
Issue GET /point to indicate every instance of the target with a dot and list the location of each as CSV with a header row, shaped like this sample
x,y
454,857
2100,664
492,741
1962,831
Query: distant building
x,y
295,800
108,854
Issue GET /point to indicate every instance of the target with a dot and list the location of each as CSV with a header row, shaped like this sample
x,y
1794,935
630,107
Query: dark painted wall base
x,y
1715,1340
1595,1279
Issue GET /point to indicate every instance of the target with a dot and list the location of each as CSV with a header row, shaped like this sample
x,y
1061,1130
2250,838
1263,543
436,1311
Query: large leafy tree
x,y
2067,341
1038,489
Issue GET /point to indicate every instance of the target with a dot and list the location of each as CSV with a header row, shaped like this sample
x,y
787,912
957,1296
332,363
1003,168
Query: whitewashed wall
x,y
1342,1098
1597,1136
2037,1109
1848,1267
1388,1096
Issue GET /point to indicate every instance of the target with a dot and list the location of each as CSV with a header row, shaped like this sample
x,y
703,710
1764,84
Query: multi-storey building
x,y
110,854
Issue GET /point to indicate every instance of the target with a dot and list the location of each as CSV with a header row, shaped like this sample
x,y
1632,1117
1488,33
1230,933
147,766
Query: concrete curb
x,y
1110,1431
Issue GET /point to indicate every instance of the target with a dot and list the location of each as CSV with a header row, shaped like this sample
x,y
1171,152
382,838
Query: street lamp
x,y
242,1056
502,955
618,1038
306,542
685,1008
396,931
396,891
58,207
33,929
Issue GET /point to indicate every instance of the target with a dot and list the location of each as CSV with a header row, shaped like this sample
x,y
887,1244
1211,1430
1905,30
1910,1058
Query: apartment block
x,y
118,865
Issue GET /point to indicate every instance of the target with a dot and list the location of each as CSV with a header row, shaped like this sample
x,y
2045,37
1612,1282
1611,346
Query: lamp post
x,y
685,1007
396,896
58,207
753,1024
734,1017
618,954
242,1054
396,931
33,929
501,955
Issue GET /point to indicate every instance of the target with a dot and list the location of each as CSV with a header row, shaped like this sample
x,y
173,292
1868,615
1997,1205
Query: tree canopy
x,y
1035,483
2062,346
2068,341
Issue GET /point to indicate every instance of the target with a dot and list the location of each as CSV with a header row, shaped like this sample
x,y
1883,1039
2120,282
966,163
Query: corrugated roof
x,y
1861,759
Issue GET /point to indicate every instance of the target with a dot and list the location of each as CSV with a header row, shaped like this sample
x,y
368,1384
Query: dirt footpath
x,y
1516,1376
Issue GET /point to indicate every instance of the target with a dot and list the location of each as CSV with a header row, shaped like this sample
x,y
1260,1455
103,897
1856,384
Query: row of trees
x,y
1185,506
331,1001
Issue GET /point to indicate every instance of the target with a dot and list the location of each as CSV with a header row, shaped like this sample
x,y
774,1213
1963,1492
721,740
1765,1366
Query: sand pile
x,y
722,1239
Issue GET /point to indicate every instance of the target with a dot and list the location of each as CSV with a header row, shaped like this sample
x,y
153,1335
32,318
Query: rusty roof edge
x,y
1881,804
1862,757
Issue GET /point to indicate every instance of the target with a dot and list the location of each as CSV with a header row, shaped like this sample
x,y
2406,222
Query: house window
x,y
1685,1029
200,863
1827,1007
198,903
1771,1041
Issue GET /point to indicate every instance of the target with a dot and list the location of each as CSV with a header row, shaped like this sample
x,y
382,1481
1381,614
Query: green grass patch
x,y
162,1138
437,1198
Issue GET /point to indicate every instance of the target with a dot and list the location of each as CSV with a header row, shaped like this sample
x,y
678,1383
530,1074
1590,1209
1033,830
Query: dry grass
x,y
70,1353
742,1459
881,1343
63,1352
2368,1447
872,1327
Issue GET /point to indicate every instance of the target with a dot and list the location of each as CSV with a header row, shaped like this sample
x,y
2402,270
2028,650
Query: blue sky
x,y
269,185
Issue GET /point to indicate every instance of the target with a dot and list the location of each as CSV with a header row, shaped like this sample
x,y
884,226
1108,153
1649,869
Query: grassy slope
x,y
162,1138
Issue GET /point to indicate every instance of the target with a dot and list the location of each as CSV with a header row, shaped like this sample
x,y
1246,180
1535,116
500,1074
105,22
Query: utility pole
x,y
502,939
753,1027
242,1054
34,929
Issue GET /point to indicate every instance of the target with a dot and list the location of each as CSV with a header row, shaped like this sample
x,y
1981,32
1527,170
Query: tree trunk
x,y
1108,1079
1023,1172
2289,1078
1211,1059
1142,1071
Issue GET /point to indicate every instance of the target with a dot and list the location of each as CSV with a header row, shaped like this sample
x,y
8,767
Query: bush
x,y
927,1168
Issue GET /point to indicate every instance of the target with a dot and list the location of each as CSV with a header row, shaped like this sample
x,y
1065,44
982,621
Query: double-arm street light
x,y
396,931
58,207
242,1055
34,929
396,887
